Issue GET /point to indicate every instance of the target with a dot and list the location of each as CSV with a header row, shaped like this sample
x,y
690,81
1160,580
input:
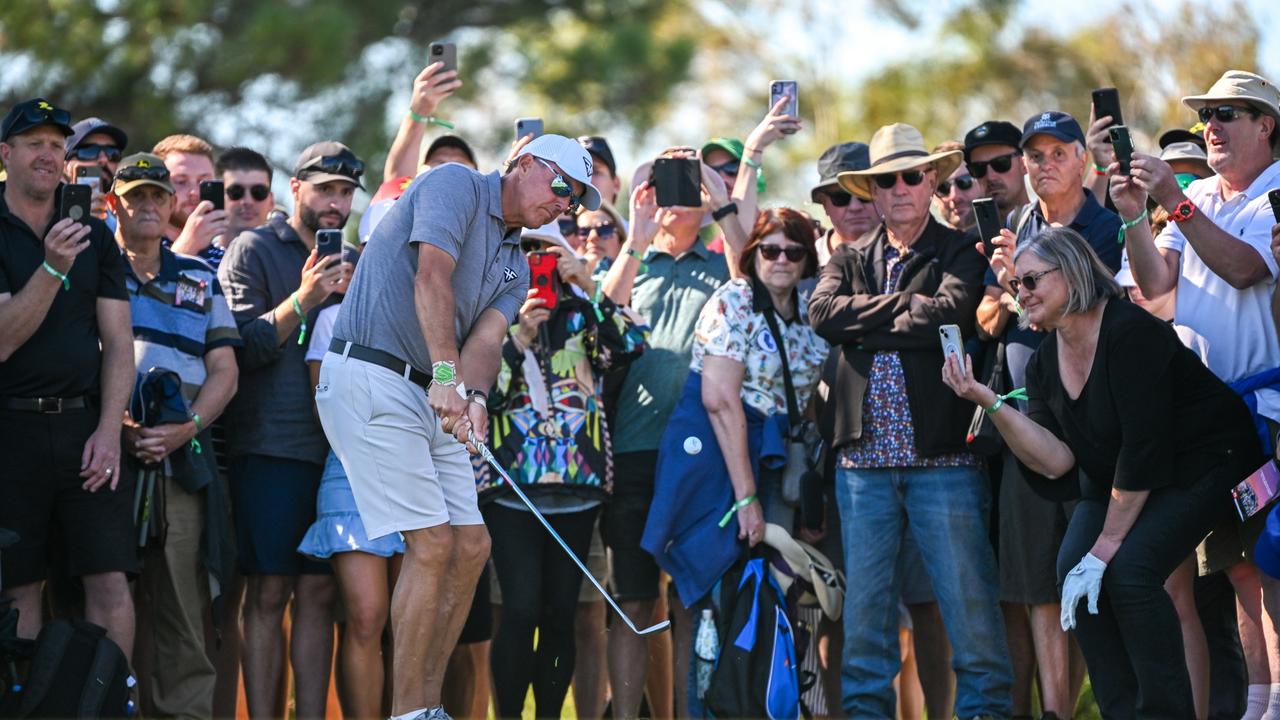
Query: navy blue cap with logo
x,y
34,113
1055,124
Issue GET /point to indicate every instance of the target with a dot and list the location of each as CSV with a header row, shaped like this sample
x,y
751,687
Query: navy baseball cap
x,y
992,132
1055,124
33,113
599,147
89,126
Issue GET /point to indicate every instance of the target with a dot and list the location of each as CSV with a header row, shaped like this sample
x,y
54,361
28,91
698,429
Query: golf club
x,y
493,462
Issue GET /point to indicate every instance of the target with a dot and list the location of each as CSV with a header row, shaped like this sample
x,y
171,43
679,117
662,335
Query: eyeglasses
x,y
257,192
910,177
559,186
89,152
1028,281
343,164
568,226
1225,113
129,173
794,253
962,183
999,163
604,230
729,168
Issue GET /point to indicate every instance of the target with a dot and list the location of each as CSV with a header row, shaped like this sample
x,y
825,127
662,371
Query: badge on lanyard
x,y
189,293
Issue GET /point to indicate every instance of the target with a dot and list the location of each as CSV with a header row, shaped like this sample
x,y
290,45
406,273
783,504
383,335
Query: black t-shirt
x,y
63,358
1150,413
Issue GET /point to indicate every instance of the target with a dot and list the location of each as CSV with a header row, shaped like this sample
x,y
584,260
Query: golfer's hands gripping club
x,y
449,402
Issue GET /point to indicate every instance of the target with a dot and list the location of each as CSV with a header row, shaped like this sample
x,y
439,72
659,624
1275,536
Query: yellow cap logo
x,y
142,163
44,105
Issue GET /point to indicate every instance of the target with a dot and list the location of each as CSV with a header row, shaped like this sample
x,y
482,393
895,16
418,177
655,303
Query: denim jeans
x,y
946,511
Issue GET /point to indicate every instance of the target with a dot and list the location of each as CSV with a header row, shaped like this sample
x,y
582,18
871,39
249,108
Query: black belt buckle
x,y
49,405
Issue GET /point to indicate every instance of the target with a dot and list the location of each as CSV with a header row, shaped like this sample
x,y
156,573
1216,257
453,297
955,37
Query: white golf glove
x,y
1085,579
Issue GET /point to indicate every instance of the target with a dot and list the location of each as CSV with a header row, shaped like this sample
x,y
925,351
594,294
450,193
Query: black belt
x,y
46,405
381,359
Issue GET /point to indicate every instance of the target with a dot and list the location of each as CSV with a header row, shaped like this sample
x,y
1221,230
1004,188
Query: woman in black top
x,y
1129,421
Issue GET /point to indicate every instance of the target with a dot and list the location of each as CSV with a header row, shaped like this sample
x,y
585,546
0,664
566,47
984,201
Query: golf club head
x,y
655,628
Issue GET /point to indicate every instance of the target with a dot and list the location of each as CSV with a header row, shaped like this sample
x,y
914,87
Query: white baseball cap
x,y
570,157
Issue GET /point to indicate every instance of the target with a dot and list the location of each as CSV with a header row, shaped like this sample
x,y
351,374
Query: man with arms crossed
x,y
416,345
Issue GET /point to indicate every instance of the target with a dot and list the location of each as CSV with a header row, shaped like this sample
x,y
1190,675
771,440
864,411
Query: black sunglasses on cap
x,y
794,253
88,152
963,183
1225,113
257,192
129,173
44,112
344,164
910,177
999,163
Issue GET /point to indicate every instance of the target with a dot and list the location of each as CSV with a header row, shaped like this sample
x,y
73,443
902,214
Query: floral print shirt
x,y
732,325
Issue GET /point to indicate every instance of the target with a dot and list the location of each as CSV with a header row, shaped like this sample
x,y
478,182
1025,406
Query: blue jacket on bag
x,y
692,492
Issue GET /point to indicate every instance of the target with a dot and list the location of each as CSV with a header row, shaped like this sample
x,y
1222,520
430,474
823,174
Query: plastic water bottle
x,y
706,647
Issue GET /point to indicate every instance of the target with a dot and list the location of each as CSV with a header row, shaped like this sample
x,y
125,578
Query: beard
x,y
311,219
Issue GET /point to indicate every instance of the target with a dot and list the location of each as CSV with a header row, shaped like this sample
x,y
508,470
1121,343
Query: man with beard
x,y
98,145
195,228
991,152
276,285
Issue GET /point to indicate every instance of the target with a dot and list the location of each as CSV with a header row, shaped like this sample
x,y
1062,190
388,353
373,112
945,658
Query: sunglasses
x,y
136,172
604,230
257,192
794,253
910,177
729,168
962,183
999,163
343,164
561,187
1028,281
44,112
89,152
839,198
1225,113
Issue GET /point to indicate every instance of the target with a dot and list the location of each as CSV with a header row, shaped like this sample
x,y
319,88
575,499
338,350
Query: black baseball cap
x,y
34,113
453,141
845,157
89,126
328,161
1055,124
1178,135
992,132
599,147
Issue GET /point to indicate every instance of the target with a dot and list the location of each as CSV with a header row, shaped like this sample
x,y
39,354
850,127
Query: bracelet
x,y
735,508
430,120
644,267
1126,224
66,284
730,208
195,444
1099,170
478,397
302,320
746,159
1019,394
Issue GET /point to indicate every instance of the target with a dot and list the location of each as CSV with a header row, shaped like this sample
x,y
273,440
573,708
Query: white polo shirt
x,y
1238,333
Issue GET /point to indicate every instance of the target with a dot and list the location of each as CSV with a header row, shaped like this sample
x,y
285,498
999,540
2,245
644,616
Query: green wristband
x,y
735,508
751,163
644,267
66,283
1019,394
1126,224
430,120
302,320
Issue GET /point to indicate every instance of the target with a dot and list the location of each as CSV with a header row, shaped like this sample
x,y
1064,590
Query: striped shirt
x,y
173,335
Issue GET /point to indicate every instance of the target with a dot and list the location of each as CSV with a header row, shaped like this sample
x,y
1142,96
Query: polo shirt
x,y
1236,327
63,358
173,336
1099,227
459,211
669,295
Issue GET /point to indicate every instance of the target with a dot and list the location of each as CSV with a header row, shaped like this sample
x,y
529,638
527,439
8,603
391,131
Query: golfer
x,y
416,346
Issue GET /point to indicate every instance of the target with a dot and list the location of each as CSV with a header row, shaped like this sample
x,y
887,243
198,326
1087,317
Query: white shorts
x,y
406,473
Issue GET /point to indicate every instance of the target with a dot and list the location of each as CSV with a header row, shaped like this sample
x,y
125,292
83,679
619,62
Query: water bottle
x,y
706,647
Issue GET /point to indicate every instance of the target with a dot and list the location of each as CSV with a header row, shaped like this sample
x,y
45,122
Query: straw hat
x,y
895,148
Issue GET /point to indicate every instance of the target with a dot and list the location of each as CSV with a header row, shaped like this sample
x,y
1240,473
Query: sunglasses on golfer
x,y
89,152
962,183
1028,281
999,163
1225,113
259,193
794,253
603,230
561,187
910,177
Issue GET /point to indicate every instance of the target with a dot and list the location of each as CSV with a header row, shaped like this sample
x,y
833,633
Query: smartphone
x,y
952,344
1274,197
789,88
1123,145
987,215
544,278
1106,102
328,242
90,175
214,192
446,53
528,126
74,202
678,182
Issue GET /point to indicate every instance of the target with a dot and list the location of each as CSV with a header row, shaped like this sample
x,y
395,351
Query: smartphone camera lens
x,y
437,50
542,280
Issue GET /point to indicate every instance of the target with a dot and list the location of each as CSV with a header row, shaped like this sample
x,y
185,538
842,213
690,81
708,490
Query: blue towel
x,y
1247,388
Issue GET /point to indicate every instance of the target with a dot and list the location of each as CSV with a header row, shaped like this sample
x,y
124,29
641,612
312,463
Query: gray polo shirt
x,y
458,210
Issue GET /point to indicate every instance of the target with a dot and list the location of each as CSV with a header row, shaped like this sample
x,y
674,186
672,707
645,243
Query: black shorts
x,y
274,504
42,500
479,624
634,573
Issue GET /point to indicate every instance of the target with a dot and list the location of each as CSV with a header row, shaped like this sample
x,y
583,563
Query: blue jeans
x,y
946,510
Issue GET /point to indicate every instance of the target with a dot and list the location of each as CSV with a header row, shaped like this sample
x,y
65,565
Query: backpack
x,y
757,672
76,672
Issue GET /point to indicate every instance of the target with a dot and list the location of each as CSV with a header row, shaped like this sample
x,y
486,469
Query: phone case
x,y
543,277
214,192
678,182
1123,145
1274,197
790,88
74,202
1106,102
525,126
987,216
952,344
446,53
328,242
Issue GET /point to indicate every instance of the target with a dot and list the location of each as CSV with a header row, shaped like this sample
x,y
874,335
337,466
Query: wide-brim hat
x,y
1247,87
1185,151
895,148
836,159
823,583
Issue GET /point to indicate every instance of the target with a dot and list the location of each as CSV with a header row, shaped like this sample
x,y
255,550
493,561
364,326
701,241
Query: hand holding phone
x,y
678,182
790,90
1106,103
214,192
328,242
445,53
952,343
1123,145
74,201
543,278
987,216
528,126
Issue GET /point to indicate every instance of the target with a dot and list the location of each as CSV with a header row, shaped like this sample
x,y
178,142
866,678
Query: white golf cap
x,y
570,157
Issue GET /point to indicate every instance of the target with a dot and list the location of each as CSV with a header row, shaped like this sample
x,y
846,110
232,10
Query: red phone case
x,y
543,277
